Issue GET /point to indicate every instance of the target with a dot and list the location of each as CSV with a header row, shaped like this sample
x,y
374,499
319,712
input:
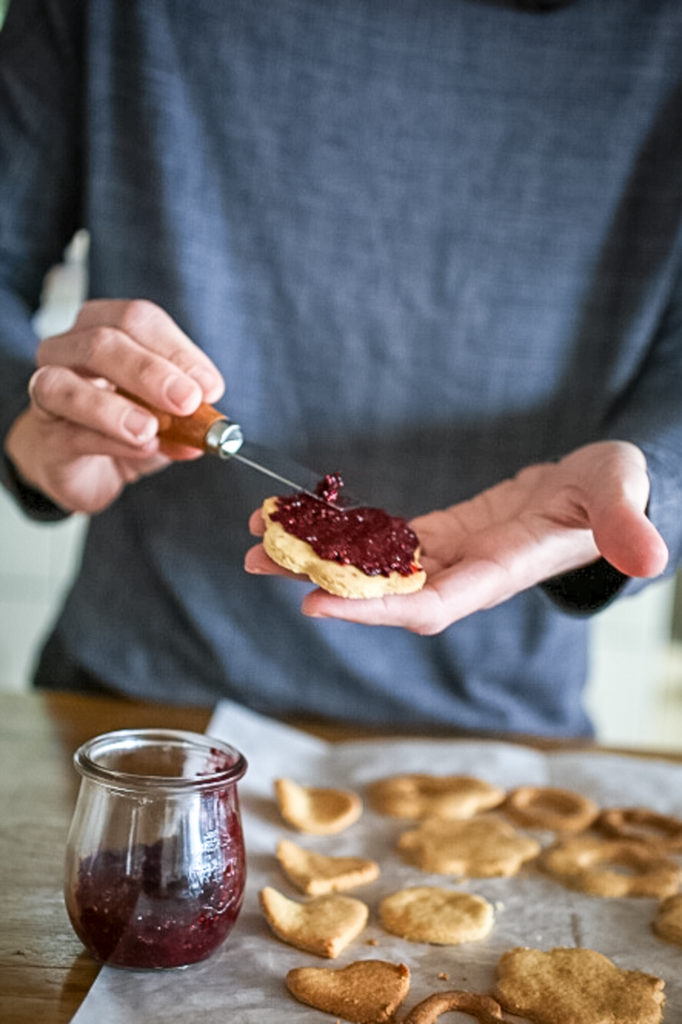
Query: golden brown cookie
x,y
591,864
316,875
668,921
339,578
482,1008
325,925
427,913
576,986
317,810
420,795
662,832
364,992
549,807
477,847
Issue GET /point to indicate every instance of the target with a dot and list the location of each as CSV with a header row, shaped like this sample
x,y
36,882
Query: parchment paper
x,y
244,981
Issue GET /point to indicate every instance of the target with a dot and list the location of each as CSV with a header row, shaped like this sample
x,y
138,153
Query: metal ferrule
x,y
224,438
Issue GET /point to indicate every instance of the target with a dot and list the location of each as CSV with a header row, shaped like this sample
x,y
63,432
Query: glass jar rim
x,y
86,761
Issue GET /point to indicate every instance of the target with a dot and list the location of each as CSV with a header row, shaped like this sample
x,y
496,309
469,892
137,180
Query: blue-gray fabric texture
x,y
427,243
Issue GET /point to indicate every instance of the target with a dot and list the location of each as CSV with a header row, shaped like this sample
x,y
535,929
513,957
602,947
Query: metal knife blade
x,y
288,473
212,431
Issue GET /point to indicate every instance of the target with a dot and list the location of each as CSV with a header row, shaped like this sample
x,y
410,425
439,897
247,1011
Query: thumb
x,y
622,532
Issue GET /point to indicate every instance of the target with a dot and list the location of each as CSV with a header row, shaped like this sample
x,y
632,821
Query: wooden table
x,y
44,971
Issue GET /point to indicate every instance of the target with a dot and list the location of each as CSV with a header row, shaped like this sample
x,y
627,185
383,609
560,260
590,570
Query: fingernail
x,y
209,383
179,390
139,424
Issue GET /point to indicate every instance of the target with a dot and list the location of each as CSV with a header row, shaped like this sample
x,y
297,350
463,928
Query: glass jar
x,y
155,865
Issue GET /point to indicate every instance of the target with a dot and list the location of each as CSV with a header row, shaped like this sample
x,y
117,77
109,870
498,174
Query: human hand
x,y
548,519
80,441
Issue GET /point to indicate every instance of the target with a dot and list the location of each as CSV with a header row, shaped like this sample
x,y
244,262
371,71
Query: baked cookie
x,y
662,832
476,847
317,810
325,925
316,875
668,921
420,795
549,807
351,552
364,992
482,1008
576,986
591,864
425,913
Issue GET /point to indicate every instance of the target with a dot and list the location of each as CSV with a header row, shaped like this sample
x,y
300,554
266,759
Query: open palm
x,y
548,519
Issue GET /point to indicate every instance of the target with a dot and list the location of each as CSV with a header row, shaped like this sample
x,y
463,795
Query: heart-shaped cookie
x,y
364,992
317,874
320,811
324,926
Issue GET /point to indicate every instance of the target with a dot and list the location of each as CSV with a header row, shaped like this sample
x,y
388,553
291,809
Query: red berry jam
x,y
368,538
128,913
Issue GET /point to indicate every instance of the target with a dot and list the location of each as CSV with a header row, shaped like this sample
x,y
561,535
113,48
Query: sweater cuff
x,y
586,590
33,503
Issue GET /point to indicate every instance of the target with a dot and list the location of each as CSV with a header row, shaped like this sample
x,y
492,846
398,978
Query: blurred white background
x,y
635,687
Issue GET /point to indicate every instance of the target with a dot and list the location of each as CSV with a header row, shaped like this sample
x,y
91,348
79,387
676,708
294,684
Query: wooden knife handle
x,y
189,430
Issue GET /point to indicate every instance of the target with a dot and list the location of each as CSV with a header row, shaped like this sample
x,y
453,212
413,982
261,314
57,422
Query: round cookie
x,y
338,575
482,1008
659,831
549,807
425,913
590,864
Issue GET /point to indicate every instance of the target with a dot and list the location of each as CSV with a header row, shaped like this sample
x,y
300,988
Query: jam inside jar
x,y
155,864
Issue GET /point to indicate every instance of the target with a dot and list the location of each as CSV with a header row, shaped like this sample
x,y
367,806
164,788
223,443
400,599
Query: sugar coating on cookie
x,y
353,553
476,847
324,925
317,810
576,986
421,795
364,992
316,874
425,913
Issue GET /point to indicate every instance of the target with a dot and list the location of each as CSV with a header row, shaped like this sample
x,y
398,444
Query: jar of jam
x,y
155,865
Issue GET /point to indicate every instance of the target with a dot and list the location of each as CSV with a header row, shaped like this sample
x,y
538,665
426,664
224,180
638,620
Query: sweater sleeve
x,y
649,414
40,184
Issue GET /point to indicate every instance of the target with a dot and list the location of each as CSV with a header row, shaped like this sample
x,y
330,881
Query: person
x,y
433,246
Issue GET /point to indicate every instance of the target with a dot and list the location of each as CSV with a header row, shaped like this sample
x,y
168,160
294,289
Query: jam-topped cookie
x,y
351,552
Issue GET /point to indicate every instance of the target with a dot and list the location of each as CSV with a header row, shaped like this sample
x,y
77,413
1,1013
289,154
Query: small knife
x,y
212,432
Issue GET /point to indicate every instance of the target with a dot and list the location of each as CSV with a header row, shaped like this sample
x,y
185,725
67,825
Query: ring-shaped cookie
x,y
549,807
482,1008
659,831
585,863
